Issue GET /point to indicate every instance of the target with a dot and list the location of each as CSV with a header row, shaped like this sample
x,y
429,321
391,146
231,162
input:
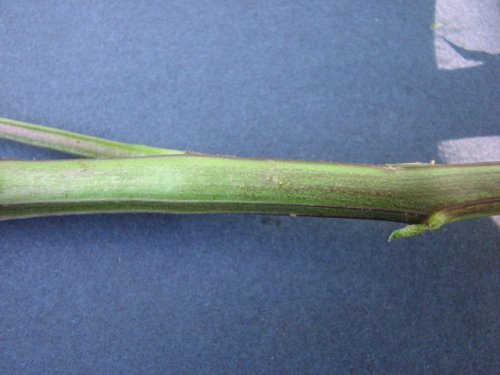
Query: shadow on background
x,y
310,80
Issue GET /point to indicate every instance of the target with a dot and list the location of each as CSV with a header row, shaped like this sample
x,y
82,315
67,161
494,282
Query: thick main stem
x,y
421,194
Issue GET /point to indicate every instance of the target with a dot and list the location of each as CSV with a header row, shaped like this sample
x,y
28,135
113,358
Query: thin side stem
x,y
74,143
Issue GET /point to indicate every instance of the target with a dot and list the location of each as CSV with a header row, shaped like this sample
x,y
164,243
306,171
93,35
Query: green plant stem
x,y
423,195
74,143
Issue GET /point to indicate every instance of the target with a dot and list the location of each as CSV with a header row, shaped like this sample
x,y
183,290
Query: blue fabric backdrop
x,y
343,80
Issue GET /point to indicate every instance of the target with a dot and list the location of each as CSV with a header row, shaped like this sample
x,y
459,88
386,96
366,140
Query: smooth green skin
x,y
424,195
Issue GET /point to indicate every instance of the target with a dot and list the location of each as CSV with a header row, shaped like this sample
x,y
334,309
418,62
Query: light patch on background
x,y
471,150
473,25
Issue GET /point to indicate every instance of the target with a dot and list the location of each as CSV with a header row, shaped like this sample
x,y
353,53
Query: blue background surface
x,y
352,81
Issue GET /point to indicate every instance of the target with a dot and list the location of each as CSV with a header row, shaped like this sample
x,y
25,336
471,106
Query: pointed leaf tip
x,y
408,231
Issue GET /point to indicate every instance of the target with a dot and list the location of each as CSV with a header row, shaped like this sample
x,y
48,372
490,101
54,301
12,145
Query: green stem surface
x,y
423,195
74,143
